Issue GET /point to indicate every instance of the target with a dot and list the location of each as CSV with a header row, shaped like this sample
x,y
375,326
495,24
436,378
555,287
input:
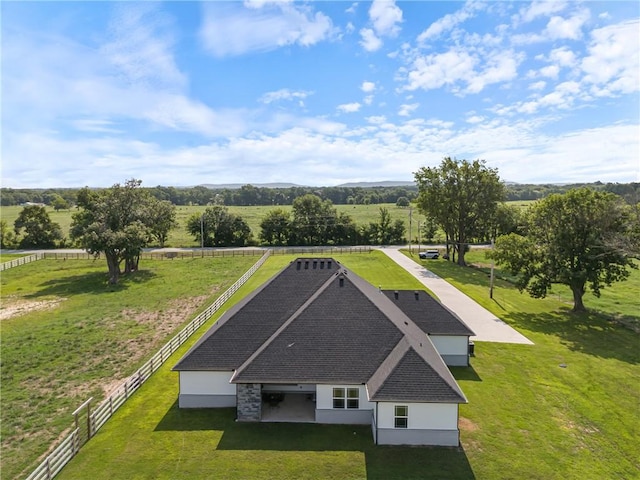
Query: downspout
x,y
377,419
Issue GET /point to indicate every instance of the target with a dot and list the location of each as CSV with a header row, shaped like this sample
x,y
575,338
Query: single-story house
x,y
318,343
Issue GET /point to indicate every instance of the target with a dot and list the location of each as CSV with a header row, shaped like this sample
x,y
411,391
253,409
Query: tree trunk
x,y
578,293
114,267
461,261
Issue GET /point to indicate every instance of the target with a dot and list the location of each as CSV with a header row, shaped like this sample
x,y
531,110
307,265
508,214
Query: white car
x,y
429,254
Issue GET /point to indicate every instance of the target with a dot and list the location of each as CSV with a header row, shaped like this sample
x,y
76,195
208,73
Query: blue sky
x,y
317,93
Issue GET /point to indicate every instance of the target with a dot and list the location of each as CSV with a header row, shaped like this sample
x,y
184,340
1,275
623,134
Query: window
x,y
401,418
346,398
353,398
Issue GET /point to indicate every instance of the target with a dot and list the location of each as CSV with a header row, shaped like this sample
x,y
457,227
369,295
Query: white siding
x,y
450,344
299,388
422,416
324,397
206,383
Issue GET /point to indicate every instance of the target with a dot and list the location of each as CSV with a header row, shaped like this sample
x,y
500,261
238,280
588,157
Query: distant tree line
x,y
64,198
246,195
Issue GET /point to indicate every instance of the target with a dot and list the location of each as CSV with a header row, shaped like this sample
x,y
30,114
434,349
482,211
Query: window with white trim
x,y
346,398
401,416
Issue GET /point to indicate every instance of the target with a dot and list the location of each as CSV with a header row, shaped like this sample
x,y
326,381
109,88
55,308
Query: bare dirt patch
x,y
467,425
11,309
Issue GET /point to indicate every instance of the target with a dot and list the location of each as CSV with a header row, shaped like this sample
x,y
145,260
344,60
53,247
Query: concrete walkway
x,y
486,325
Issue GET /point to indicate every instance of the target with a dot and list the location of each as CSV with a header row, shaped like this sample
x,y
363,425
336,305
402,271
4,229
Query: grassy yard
x,y
67,336
564,408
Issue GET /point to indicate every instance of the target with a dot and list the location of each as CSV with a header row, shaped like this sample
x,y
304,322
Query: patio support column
x,y
249,402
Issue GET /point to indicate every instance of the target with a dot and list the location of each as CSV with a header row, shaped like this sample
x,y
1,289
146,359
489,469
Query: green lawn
x,y
81,336
564,408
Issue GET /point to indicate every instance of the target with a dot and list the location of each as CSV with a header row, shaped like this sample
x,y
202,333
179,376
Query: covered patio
x,y
289,407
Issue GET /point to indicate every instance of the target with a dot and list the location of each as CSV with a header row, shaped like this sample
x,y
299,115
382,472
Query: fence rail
x,y
71,444
20,261
242,252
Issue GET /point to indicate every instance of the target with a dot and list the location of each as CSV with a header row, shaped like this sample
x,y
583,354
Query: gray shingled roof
x,y
244,328
325,325
413,380
428,313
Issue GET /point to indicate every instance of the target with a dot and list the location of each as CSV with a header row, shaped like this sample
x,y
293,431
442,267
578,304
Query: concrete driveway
x,y
487,327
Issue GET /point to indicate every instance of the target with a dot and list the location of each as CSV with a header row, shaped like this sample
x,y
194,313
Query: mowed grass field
x,y
68,336
361,214
564,408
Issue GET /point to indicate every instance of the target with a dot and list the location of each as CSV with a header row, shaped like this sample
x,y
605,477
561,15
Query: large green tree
x,y
219,227
275,227
162,219
311,218
574,239
36,228
116,222
462,197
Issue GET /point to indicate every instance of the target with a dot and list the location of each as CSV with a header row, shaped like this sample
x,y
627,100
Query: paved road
x,y
486,325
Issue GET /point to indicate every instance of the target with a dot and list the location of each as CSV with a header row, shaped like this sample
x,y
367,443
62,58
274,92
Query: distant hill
x,y
386,183
235,186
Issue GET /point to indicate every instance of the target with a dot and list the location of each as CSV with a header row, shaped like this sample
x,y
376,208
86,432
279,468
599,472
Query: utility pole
x,y
202,235
410,232
492,276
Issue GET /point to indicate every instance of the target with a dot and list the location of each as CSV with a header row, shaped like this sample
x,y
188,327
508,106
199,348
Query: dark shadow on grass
x,y
382,462
465,373
590,333
94,282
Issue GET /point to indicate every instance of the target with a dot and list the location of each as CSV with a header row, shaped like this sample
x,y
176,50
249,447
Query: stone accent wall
x,y
249,402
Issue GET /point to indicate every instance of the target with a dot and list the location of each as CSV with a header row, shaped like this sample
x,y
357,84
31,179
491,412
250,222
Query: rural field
x,y
563,408
361,214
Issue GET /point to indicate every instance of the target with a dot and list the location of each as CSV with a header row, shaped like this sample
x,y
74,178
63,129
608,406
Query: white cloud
x,y
352,8
368,100
558,28
385,17
48,79
368,87
349,107
407,109
369,41
284,94
613,63
459,66
228,31
449,21
436,70
475,119
563,57
498,67
538,85
141,44
550,71
539,9
377,119
567,28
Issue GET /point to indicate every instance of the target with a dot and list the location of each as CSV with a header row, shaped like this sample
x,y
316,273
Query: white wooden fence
x,y
71,444
21,261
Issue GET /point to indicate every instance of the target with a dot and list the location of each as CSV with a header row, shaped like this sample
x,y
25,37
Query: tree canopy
x,y
119,222
462,198
36,228
216,227
575,239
